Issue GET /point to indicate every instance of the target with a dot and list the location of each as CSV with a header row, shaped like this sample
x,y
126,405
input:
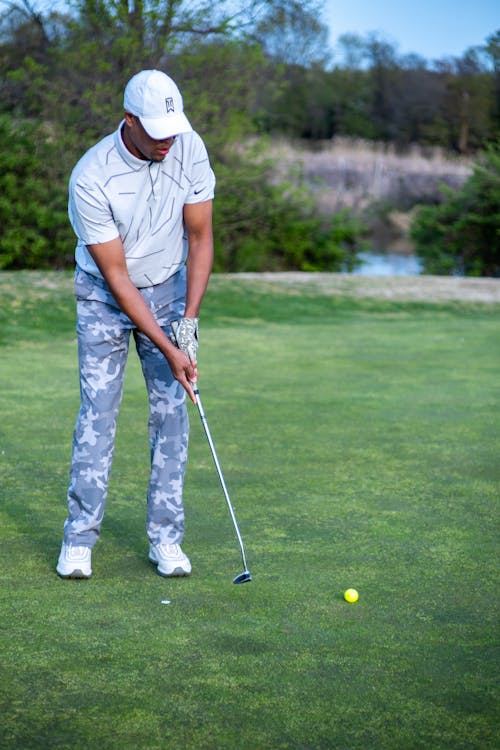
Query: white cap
x,y
157,102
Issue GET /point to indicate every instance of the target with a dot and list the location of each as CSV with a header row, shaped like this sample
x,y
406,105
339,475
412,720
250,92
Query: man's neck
x,y
130,146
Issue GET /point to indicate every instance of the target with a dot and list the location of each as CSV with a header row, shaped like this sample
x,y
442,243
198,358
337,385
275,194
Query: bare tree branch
x,y
29,11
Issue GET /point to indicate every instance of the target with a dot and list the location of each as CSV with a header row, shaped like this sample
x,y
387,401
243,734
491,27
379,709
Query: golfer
x,y
140,203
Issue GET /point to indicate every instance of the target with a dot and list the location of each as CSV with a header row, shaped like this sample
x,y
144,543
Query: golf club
x,y
245,576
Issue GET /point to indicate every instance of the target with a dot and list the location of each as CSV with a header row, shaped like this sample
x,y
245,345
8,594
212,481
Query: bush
x,y
462,235
35,232
260,226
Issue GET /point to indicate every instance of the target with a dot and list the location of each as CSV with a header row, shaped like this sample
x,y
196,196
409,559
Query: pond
x,y
388,264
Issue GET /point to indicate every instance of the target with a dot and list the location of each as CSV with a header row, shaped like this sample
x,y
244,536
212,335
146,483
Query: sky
x,y
431,28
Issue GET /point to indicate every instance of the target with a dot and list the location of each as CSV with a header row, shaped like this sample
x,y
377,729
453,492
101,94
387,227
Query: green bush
x,y
261,226
462,235
35,231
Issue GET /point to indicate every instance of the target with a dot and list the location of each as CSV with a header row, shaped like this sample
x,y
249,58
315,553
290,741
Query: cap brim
x,y
165,127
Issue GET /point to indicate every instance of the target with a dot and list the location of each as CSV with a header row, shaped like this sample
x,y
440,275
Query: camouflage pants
x,y
103,343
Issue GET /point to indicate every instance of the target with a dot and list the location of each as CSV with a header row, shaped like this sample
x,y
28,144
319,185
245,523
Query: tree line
x,y
245,69
378,95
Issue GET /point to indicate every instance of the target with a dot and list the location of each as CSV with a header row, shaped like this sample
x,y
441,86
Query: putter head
x,y
243,577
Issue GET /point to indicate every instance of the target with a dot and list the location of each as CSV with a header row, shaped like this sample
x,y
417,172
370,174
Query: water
x,y
388,264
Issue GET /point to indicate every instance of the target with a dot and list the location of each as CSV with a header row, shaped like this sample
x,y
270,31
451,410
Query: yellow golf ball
x,y
351,595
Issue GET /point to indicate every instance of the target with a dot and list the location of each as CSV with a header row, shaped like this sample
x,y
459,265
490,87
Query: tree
x,y
492,50
462,235
291,32
80,73
352,49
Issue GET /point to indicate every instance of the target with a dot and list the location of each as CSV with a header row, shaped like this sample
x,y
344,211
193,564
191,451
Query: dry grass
x,y
433,289
354,174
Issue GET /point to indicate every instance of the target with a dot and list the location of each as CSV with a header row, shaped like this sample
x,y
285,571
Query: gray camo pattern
x,y
103,344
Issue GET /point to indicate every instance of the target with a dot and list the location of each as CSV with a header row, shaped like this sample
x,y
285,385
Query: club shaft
x,y
204,422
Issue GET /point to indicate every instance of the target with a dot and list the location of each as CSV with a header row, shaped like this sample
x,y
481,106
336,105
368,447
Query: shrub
x,y
35,231
462,235
260,226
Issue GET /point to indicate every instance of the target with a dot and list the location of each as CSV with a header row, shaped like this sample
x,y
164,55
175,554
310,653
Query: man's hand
x,y
186,334
183,370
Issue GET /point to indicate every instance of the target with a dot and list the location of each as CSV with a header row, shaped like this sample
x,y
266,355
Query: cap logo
x,y
169,104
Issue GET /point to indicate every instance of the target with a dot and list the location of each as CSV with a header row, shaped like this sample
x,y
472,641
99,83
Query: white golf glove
x,y
186,334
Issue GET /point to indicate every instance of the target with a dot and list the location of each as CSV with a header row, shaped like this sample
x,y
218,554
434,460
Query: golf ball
x,y
351,595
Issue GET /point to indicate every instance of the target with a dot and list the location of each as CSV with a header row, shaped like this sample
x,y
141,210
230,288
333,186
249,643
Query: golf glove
x,y
186,334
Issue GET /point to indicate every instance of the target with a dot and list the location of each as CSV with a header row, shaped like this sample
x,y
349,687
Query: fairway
x,y
359,440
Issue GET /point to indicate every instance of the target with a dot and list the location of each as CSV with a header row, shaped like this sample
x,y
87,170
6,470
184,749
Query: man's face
x,y
141,144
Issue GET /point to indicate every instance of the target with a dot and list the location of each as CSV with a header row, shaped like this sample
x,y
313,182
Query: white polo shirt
x,y
114,194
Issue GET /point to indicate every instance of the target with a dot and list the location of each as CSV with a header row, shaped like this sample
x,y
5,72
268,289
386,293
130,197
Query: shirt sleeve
x,y
202,177
90,214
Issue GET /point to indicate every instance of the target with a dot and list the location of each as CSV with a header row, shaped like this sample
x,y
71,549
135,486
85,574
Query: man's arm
x,y
198,225
110,259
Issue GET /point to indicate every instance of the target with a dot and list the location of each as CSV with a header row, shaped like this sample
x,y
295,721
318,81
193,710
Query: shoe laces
x,y
77,551
170,549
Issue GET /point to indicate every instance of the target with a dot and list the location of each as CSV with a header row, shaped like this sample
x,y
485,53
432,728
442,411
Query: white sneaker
x,y
74,561
170,559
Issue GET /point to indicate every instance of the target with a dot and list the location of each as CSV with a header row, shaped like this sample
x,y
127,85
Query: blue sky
x,y
431,28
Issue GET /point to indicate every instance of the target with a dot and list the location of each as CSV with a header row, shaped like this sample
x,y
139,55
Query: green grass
x,y
359,441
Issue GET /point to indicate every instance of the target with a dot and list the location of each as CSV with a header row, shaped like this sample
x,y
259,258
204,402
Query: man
x,y
140,203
